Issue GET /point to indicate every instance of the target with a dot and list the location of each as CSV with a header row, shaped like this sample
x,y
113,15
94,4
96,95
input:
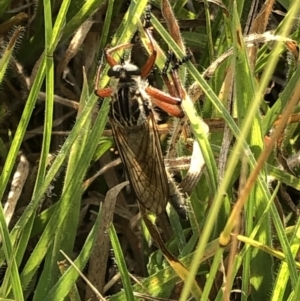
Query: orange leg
x,y
165,97
166,102
147,68
173,110
107,53
112,62
175,87
106,92
170,86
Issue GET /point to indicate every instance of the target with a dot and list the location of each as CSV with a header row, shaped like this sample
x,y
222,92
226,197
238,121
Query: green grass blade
x,y
121,263
64,284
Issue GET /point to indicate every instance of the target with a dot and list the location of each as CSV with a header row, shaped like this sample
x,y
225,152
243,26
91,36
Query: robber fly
x,y
134,128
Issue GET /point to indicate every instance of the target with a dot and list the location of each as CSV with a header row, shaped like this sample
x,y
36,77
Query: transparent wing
x,y
140,151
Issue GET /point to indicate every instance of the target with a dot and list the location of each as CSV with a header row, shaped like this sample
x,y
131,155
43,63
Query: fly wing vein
x,y
141,154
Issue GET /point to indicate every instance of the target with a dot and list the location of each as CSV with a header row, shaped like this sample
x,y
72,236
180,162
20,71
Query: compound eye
x,y
114,71
132,70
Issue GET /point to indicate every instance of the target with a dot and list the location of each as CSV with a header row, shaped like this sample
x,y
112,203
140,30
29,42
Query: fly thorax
x,y
130,104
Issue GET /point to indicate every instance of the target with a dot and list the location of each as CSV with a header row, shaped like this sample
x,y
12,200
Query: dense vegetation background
x,y
60,181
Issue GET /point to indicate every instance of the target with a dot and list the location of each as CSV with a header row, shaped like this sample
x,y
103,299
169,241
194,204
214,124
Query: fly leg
x,y
168,102
176,90
106,92
176,198
175,86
